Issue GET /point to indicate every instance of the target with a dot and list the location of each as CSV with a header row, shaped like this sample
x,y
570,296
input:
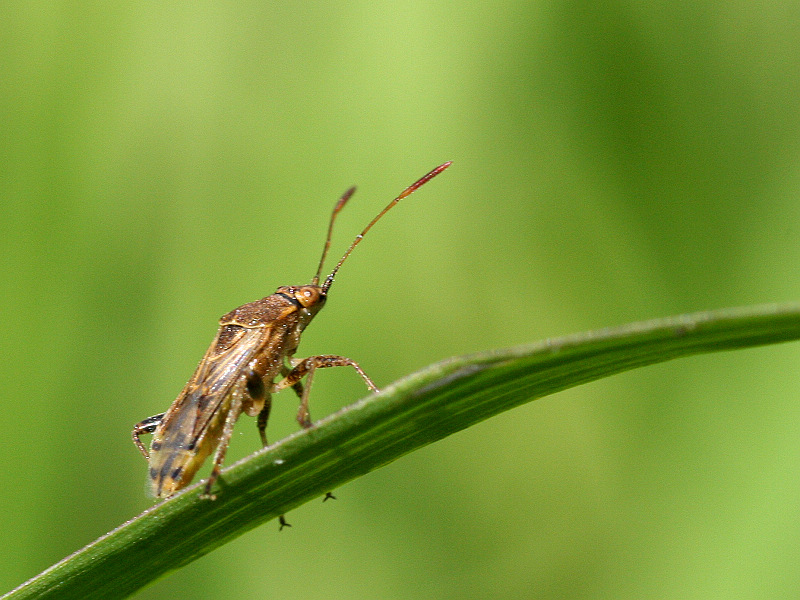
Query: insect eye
x,y
307,296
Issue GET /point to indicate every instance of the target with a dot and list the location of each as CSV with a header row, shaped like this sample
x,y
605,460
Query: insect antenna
x,y
339,206
406,192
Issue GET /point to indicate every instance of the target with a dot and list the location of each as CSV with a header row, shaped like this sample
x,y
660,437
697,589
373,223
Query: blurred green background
x,y
163,163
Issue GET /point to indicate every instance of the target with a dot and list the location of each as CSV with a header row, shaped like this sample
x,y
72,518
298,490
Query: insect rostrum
x,y
255,344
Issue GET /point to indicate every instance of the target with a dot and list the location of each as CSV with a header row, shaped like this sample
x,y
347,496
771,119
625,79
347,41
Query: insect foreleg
x,y
306,368
227,430
149,425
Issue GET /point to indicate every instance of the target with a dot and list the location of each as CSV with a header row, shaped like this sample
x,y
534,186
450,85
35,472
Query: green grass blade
x,y
417,410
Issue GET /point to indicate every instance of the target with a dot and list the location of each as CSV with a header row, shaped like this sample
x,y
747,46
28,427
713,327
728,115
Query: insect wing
x,y
182,441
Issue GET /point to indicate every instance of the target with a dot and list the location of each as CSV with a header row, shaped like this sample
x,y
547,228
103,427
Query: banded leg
x,y
305,368
149,425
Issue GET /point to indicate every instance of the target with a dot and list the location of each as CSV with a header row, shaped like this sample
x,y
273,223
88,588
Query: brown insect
x,y
255,344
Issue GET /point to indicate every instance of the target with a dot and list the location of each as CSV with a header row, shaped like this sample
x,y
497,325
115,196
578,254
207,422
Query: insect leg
x,y
306,368
285,371
224,440
263,417
258,392
303,415
149,425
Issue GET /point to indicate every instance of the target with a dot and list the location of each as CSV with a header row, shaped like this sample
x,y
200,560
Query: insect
x,y
254,345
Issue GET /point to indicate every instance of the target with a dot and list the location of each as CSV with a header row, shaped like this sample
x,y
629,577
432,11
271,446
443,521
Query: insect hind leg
x,y
149,425
306,368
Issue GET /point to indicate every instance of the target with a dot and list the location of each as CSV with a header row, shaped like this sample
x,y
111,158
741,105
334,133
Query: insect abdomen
x,y
167,476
